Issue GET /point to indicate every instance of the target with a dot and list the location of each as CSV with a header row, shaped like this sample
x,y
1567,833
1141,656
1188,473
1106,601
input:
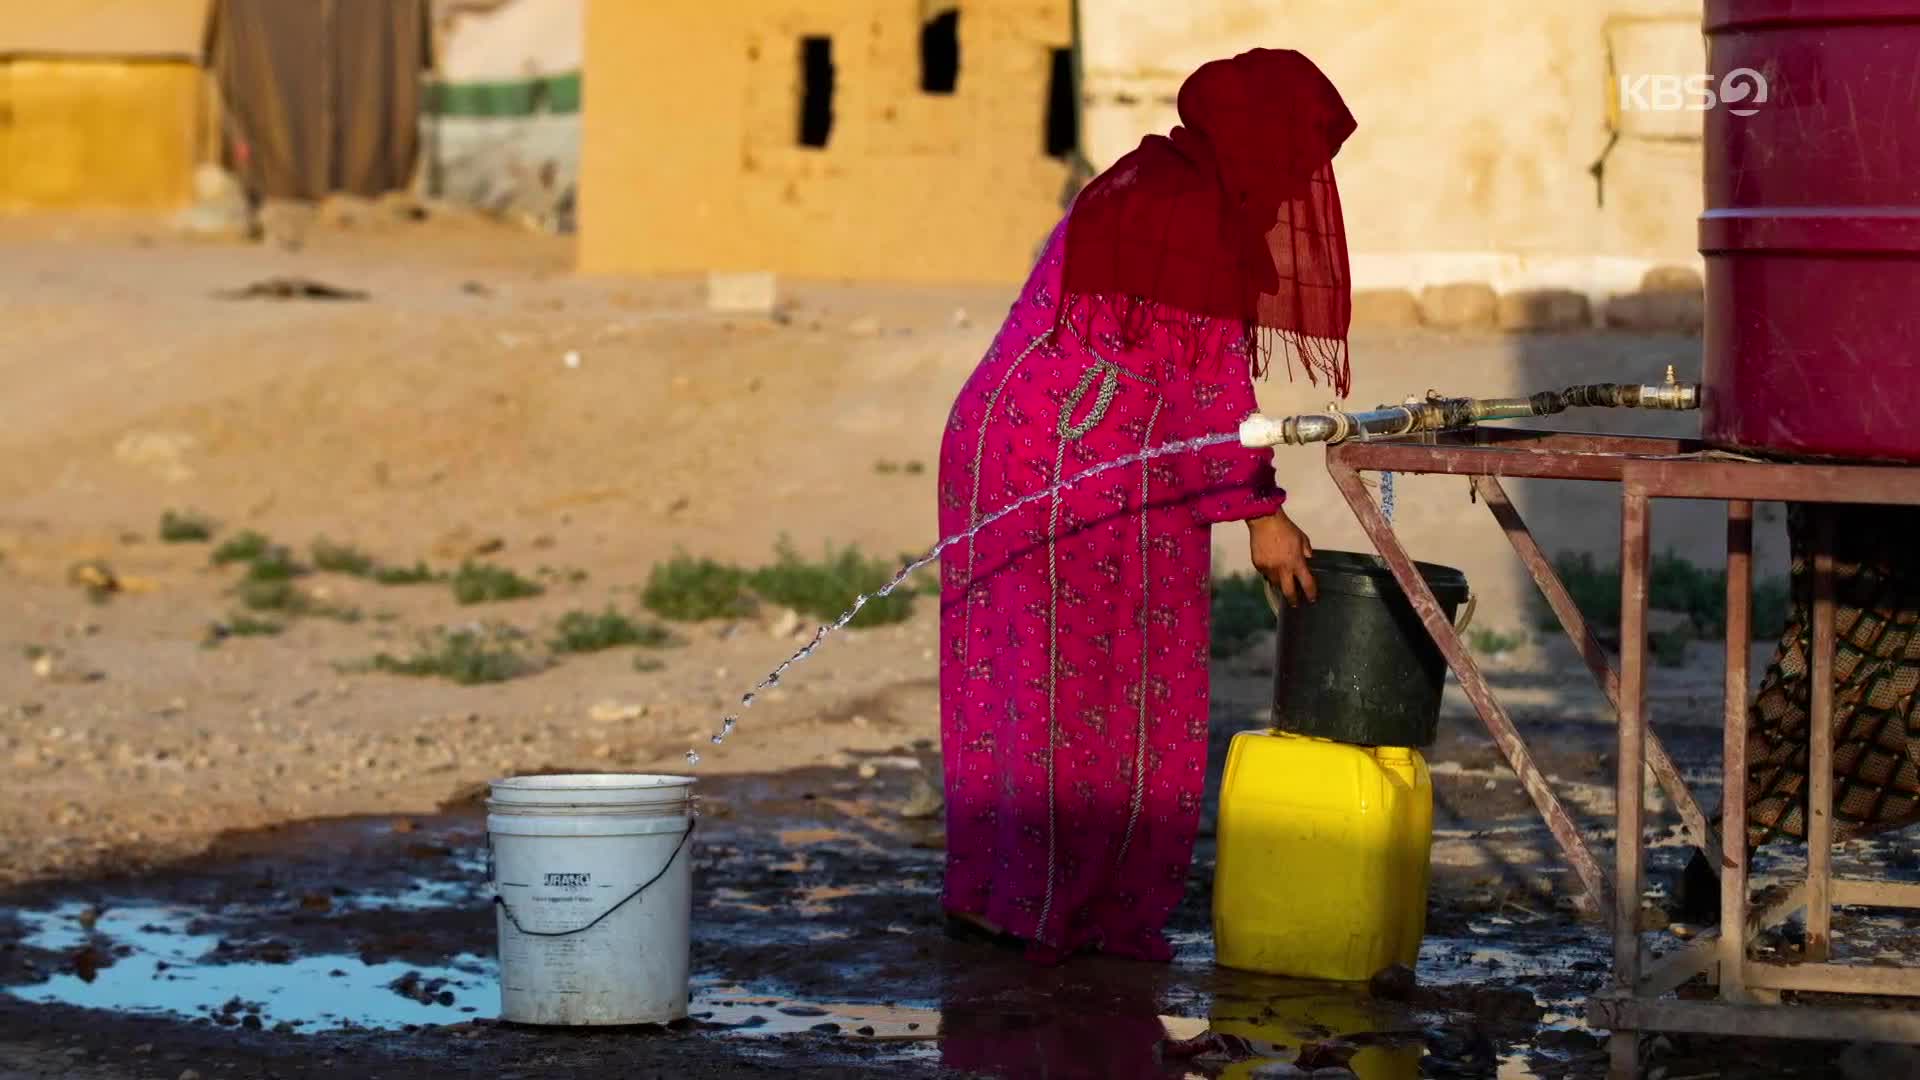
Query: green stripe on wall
x,y
519,97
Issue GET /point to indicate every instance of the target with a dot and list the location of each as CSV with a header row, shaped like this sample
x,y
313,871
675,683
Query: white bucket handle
x,y
501,901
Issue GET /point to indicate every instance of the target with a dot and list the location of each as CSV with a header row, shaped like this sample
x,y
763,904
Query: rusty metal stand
x,y
1637,1001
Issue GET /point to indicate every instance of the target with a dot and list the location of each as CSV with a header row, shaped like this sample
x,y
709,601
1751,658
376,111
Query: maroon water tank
x,y
1812,229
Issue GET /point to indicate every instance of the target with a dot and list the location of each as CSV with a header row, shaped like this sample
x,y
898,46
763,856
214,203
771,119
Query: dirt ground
x,y
483,401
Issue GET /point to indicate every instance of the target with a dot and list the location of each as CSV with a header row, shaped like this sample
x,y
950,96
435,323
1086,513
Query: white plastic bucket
x,y
593,894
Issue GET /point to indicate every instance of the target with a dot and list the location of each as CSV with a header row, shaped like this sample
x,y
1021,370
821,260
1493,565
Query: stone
x,y
613,712
60,668
1459,306
864,326
160,452
1668,312
285,223
1662,279
402,206
342,211
924,802
1672,299
786,624
742,293
1545,310
219,209
1385,309
1394,983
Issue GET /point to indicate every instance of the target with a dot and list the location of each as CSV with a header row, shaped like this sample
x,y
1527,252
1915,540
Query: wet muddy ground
x,y
364,947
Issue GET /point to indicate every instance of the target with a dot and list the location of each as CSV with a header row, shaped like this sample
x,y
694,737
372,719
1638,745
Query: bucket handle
x,y
501,902
1460,621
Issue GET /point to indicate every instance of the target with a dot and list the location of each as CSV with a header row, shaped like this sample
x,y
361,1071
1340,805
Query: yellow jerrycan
x,y
1278,1028
1323,857
1326,819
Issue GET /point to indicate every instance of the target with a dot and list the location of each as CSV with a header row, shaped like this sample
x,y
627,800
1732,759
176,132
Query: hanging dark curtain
x,y
320,96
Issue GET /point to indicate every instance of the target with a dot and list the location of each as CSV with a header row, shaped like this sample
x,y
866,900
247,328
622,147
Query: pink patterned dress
x,y
1074,632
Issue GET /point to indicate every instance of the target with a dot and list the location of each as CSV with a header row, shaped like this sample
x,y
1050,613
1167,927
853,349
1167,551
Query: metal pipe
x,y
1437,413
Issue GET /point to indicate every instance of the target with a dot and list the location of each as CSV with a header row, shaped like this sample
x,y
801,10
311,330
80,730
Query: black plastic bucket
x,y
1358,666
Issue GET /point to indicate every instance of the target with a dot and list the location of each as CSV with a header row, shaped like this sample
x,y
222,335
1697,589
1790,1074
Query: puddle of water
x,y
425,896
819,900
165,970
738,900
756,1015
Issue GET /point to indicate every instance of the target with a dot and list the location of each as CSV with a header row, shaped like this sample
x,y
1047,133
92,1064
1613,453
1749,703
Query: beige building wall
x,y
1479,124
690,155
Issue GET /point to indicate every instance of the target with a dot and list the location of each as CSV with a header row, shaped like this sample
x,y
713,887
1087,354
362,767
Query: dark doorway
x,y
1063,114
816,90
940,53
320,98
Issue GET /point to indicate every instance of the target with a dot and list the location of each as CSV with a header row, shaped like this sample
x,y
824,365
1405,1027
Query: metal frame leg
x,y
1750,990
1733,806
1582,636
1820,748
1631,768
1474,684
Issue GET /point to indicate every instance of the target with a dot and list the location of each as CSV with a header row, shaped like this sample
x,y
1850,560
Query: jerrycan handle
x,y
1460,621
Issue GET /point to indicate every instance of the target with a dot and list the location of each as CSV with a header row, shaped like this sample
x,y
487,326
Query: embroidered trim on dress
x,y
973,504
1146,653
1053,680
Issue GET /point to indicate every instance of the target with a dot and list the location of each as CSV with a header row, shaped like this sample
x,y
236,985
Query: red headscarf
x,y
1234,215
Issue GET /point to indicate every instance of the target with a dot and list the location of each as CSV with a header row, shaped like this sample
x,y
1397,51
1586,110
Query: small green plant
x,y
185,527
926,580
1490,642
1673,584
342,559
34,652
1595,591
1240,613
465,657
827,588
282,596
484,583
243,547
276,563
417,574
241,624
686,589
584,632
644,663
1669,647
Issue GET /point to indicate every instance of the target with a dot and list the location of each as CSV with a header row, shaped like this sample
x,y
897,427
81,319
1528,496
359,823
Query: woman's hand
x,y
1280,553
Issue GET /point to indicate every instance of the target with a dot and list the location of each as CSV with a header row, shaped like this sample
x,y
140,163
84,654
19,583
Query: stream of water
x,y
1183,446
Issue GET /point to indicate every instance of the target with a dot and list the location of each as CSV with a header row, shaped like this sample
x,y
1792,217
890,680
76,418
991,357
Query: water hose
x,y
1438,413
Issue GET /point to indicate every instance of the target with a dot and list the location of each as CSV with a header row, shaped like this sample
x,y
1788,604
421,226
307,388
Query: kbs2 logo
x,y
1738,92
569,881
